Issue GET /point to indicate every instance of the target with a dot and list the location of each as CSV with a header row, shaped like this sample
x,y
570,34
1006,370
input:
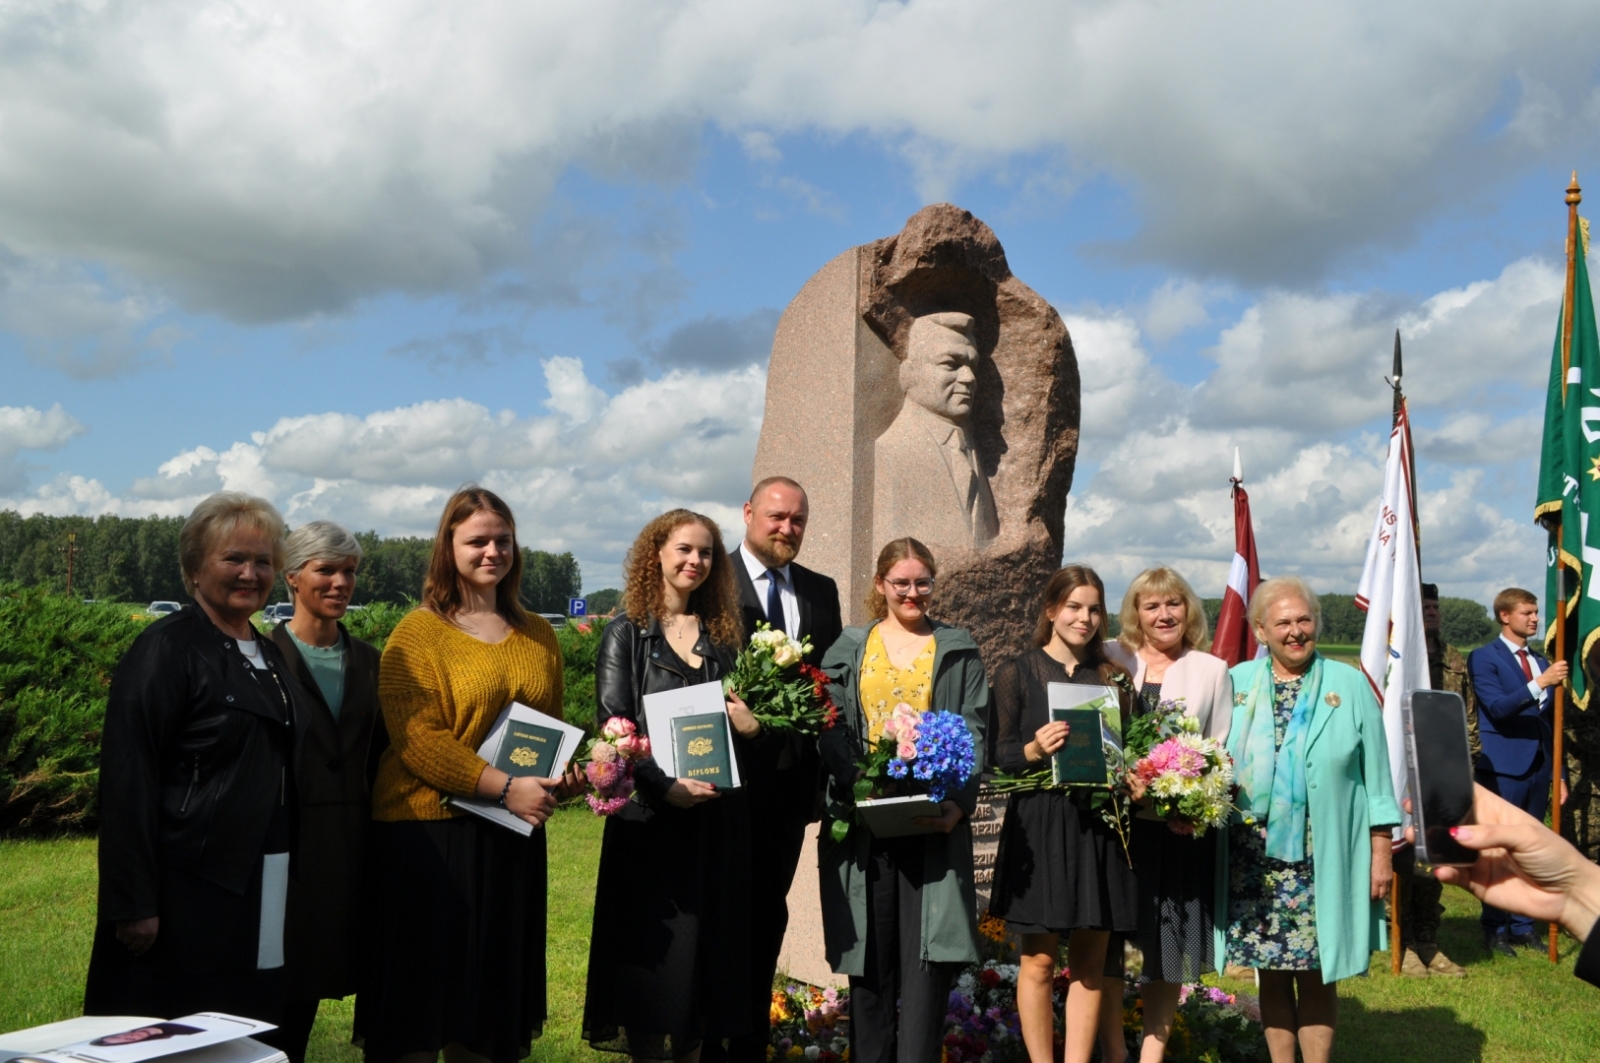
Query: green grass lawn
x,y
1504,1010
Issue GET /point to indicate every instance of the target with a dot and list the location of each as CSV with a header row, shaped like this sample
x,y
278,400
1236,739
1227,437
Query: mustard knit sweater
x,y
441,690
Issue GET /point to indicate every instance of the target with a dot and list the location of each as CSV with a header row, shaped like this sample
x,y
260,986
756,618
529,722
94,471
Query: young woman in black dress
x,y
1061,869
669,957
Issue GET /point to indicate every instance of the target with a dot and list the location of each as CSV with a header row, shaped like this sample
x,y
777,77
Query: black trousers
x,y
294,1031
778,812
894,967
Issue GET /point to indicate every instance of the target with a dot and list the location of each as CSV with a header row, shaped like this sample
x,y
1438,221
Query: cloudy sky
x,y
351,255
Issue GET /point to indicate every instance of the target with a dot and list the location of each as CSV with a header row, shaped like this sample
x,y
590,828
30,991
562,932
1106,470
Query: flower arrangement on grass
x,y
782,691
807,1023
608,764
982,1026
920,753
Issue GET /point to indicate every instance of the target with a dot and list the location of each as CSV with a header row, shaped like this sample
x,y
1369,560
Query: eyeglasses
x,y
903,587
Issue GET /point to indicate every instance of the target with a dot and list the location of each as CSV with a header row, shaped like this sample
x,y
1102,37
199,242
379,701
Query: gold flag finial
x,y
1574,193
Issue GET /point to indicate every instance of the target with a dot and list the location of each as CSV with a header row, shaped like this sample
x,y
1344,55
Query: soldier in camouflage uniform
x,y
1419,894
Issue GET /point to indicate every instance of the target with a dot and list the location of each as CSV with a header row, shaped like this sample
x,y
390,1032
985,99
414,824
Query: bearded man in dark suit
x,y
784,781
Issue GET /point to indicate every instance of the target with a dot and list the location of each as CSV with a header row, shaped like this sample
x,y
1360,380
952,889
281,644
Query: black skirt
x,y
1061,868
1177,887
204,958
459,938
669,958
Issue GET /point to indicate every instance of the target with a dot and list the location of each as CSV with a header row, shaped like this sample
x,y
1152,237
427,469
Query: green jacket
x,y
949,920
1348,792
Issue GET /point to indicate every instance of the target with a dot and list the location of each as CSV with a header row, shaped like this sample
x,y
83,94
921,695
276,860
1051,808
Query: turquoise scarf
x,y
1272,782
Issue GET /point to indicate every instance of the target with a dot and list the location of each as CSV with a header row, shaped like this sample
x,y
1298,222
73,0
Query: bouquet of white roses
x,y
780,689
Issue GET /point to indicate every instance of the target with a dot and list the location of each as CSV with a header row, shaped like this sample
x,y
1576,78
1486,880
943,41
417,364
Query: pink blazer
x,y
1201,680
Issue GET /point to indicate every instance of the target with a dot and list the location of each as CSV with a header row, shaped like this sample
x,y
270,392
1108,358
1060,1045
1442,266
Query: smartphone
x,y
1440,774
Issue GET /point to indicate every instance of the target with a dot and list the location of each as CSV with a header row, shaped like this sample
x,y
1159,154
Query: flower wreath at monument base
x,y
981,1023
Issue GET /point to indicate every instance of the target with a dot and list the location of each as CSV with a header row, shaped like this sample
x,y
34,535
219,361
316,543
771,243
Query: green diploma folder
x,y
1093,715
528,749
700,748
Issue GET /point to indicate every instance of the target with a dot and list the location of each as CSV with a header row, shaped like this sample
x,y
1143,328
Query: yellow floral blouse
x,y
883,686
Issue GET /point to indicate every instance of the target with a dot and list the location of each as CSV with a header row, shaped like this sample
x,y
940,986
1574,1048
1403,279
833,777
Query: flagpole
x,y
1396,944
1574,197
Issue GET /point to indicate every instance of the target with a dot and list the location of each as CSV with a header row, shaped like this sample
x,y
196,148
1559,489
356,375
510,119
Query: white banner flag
x,y
1394,654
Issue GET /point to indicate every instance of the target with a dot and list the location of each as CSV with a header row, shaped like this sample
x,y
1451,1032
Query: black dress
x,y
1177,886
1060,866
669,956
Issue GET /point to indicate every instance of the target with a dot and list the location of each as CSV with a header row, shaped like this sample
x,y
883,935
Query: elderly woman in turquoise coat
x,y
898,914
1308,862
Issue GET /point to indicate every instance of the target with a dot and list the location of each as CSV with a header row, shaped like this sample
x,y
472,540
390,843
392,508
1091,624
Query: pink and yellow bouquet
x,y
1187,777
608,764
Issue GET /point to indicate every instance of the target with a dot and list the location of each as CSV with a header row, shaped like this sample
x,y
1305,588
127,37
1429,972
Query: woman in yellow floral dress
x,y
897,913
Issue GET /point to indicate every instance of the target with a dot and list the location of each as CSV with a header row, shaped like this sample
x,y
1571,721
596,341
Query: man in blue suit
x,y
1515,718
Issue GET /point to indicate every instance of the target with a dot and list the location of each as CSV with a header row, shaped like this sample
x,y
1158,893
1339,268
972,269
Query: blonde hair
x,y
219,515
1162,582
1269,591
894,552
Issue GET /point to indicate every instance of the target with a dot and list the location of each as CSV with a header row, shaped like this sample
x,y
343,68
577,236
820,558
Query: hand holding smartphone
x,y
1439,764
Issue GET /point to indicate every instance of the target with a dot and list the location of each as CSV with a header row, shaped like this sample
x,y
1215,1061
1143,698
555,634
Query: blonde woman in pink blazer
x,y
1163,630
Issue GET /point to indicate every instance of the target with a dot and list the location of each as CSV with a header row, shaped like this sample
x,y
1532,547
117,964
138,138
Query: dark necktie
x,y
775,599
1522,656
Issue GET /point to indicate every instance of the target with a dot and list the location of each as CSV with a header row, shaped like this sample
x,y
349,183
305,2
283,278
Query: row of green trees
x,y
135,559
1464,623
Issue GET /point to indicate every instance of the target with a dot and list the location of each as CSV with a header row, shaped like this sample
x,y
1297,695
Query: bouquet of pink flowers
x,y
608,764
1187,777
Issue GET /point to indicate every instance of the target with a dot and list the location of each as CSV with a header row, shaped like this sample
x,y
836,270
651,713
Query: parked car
x,y
556,619
279,613
158,610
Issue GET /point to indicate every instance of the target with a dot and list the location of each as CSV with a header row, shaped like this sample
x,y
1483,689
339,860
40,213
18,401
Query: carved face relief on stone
x,y
929,483
937,372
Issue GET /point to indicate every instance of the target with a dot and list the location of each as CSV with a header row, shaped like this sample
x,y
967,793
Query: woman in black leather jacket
x,y
669,957
196,789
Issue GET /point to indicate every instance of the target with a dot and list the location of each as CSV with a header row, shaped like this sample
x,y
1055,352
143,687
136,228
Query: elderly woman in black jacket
x,y
341,734
669,958
197,789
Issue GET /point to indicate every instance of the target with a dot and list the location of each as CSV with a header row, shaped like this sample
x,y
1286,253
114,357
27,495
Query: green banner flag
x,y
1569,485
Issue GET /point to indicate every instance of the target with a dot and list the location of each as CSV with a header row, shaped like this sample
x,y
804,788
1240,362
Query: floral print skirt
x,y
1272,907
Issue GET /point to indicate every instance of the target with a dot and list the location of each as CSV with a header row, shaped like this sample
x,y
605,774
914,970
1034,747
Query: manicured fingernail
x,y
1460,833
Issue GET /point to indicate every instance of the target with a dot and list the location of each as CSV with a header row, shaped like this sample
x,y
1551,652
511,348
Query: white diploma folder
x,y
571,742
895,817
700,699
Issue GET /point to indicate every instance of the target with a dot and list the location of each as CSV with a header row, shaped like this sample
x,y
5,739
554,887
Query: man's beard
x,y
774,552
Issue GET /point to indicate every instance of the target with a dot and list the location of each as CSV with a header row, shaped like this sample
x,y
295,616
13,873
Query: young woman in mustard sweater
x,y
458,960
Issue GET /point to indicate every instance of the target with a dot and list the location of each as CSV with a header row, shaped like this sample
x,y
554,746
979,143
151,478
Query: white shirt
x,y
758,576
252,653
1533,662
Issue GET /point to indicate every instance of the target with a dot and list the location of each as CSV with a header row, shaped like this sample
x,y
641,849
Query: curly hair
x,y
715,602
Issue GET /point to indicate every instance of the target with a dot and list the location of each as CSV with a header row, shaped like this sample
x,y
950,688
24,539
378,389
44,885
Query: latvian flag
x,y
1234,641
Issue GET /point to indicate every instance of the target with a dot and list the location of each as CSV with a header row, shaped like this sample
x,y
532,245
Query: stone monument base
x,y
803,958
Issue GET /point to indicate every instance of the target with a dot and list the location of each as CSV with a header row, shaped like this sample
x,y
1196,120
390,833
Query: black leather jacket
x,y
632,663
196,754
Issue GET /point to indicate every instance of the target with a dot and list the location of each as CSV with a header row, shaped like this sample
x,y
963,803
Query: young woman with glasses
x,y
898,913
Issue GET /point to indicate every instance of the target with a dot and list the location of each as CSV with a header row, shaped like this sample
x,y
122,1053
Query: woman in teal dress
x,y
1309,862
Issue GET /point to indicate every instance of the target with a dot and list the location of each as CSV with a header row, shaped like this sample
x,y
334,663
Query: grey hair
x,y
319,540
1277,589
215,517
